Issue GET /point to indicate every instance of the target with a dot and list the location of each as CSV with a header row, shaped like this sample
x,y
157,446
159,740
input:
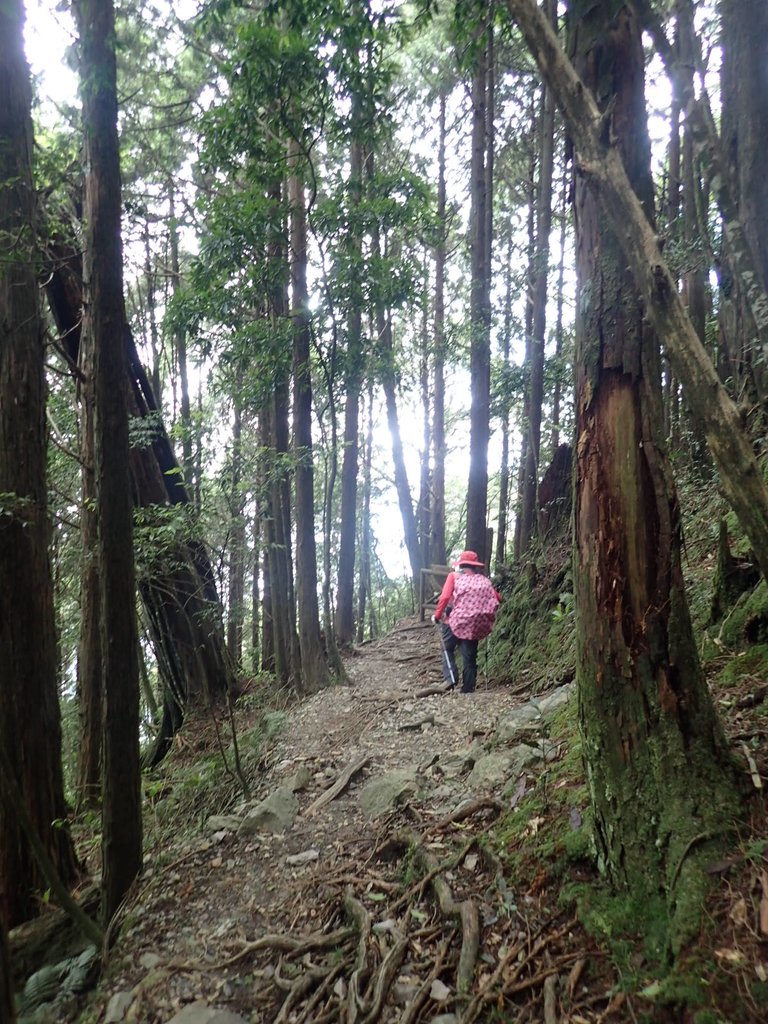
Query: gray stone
x,y
552,701
490,770
386,792
532,716
521,721
305,857
460,761
117,1007
225,822
200,1013
274,814
300,779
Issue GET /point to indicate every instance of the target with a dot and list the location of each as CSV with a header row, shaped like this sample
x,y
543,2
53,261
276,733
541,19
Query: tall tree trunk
x,y
150,278
364,585
104,326
695,289
89,645
330,475
506,338
236,560
437,532
314,667
480,357
30,725
424,518
519,545
256,591
279,533
655,756
265,514
546,139
180,340
275,596
345,580
557,396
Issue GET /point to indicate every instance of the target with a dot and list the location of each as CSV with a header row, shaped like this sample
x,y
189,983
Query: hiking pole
x,y
447,658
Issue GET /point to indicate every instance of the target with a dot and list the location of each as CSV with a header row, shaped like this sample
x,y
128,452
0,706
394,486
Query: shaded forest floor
x,y
471,896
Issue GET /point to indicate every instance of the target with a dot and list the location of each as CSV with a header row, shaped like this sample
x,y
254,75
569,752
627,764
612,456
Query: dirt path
x,y
239,922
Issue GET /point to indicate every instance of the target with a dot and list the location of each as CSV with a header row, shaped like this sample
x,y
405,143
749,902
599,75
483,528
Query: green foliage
x,y
160,534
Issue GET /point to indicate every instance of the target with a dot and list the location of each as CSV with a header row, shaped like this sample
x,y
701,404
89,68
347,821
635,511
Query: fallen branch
x,y
482,803
338,787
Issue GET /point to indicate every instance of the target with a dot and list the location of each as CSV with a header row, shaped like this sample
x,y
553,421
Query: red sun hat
x,y
468,558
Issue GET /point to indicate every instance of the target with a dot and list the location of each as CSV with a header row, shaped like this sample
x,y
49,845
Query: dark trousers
x,y
468,651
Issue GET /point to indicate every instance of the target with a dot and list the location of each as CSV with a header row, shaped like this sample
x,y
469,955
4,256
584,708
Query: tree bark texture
x,y
740,476
236,559
30,726
104,327
279,528
480,355
265,516
364,589
314,667
180,340
437,531
655,757
543,220
525,440
345,579
89,678
424,517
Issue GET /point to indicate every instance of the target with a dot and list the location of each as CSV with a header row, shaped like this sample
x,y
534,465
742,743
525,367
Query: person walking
x,y
469,603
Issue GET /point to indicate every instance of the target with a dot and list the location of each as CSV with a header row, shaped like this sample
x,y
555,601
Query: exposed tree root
x,y
467,810
387,951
